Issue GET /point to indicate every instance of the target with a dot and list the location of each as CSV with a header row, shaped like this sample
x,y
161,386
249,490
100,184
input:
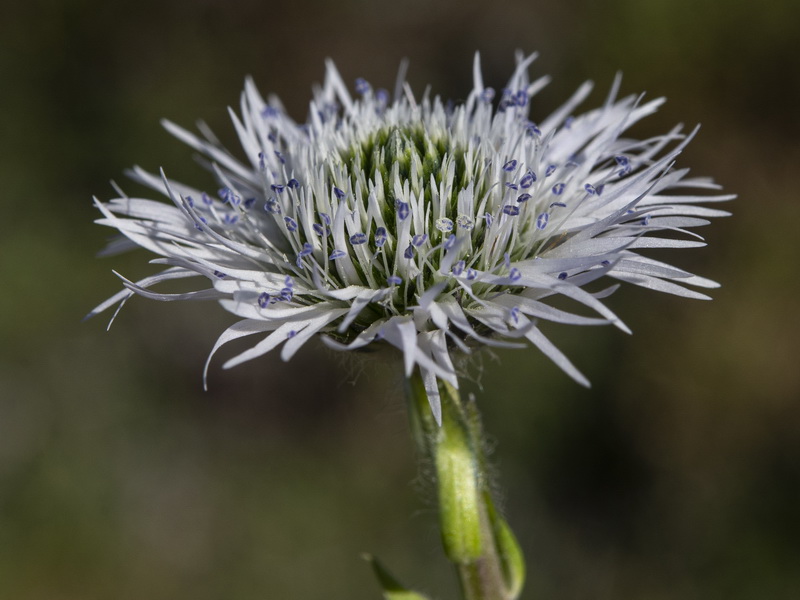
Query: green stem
x,y
475,538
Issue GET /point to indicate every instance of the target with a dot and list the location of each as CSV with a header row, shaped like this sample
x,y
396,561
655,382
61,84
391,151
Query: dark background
x,y
676,477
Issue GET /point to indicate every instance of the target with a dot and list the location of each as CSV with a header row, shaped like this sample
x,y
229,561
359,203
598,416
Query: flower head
x,y
424,225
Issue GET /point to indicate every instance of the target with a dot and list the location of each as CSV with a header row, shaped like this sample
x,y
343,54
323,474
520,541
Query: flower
x,y
428,226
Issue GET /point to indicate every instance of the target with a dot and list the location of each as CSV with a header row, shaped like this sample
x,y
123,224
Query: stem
x,y
475,538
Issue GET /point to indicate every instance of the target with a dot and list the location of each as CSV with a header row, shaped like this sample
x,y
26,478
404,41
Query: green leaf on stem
x,y
392,589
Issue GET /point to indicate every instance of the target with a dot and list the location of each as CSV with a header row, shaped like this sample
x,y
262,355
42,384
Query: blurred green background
x,y
677,476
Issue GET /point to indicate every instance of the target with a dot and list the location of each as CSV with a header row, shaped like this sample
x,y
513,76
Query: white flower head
x,y
429,226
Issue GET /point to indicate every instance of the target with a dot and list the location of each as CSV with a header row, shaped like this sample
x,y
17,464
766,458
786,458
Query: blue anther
x,y
339,193
489,219
263,300
337,254
599,189
230,219
272,206
622,160
527,180
280,157
287,294
450,241
605,263
249,202
510,165
568,122
444,224
380,236
515,314
458,268
521,98
558,188
550,170
362,86
189,201
487,95
307,249
471,274
464,222
288,281
514,274
277,187
645,220
269,111
291,334
409,252
382,96
403,210
512,186
358,238
291,224
419,239
510,209
394,280
220,274
531,129
562,276
558,204
590,189
206,199
293,184
325,218
541,220
318,229
523,197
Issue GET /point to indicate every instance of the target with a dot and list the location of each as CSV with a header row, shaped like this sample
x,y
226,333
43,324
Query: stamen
x,y
358,238
510,166
527,180
380,236
444,224
464,222
403,210
291,224
362,86
541,220
558,189
510,209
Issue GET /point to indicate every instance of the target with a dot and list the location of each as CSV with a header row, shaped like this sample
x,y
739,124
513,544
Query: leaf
x,y
392,589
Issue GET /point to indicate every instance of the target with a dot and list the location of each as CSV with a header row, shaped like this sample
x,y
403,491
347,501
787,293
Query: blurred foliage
x,y
676,477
